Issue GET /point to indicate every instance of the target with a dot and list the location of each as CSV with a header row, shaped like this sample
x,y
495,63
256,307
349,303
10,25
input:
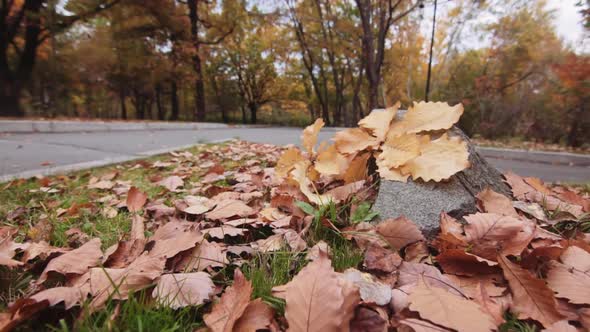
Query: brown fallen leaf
x,y
427,116
357,169
489,305
319,299
399,232
457,261
7,251
367,320
561,326
469,285
577,258
178,290
257,316
532,298
182,241
206,254
171,183
444,308
231,306
491,202
223,231
70,296
569,282
77,261
378,121
309,137
228,209
439,159
40,249
398,150
490,232
380,259
136,199
331,162
418,325
412,273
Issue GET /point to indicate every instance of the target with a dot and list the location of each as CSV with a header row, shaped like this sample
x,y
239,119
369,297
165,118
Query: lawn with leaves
x,y
247,237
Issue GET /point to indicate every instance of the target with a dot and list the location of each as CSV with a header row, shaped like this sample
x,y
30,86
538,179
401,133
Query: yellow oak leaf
x,y
439,159
378,121
387,173
309,138
331,162
398,150
353,140
287,161
426,116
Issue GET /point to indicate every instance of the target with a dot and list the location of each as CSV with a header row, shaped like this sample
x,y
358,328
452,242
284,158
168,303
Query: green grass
x,y
140,313
512,324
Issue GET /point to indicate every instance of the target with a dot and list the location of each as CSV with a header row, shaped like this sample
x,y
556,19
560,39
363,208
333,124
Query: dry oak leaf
x,y
411,273
105,283
392,174
172,182
367,320
7,251
561,326
439,159
198,205
378,121
569,283
309,137
170,247
491,231
398,150
426,116
353,140
70,296
399,232
494,308
223,231
300,176
179,290
77,261
287,161
575,257
380,259
418,325
231,306
136,199
40,249
331,162
230,208
457,261
444,308
207,254
257,316
532,298
357,169
469,285
493,202
319,299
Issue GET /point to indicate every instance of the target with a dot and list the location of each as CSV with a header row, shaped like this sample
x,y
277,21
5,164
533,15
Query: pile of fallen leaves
x,y
525,260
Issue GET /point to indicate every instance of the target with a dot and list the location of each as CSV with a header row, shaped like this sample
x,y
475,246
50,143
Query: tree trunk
x,y
160,108
244,117
123,106
174,101
9,98
253,109
197,65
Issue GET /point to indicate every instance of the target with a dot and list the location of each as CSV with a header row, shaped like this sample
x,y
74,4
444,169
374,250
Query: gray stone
x,y
423,202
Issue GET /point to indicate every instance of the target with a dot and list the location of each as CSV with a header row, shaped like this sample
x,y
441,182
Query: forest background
x,y
287,62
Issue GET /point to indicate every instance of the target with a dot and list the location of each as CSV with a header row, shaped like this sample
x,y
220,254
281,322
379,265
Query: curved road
x,y
24,153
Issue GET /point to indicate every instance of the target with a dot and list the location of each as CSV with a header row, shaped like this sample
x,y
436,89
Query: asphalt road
x,y
28,154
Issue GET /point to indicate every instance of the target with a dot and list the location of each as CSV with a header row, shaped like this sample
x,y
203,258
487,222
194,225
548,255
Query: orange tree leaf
x,y
378,122
309,138
231,306
353,140
569,283
427,116
319,299
257,316
135,199
532,298
439,159
441,307
77,261
178,290
399,232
